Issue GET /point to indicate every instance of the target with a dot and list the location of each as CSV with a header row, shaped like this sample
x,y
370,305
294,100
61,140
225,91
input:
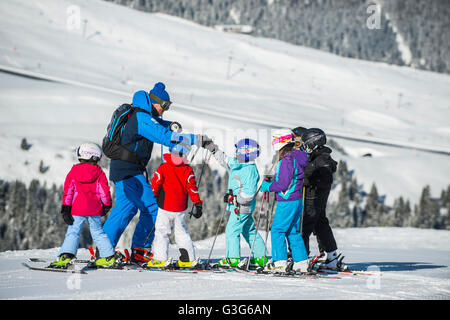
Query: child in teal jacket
x,y
243,181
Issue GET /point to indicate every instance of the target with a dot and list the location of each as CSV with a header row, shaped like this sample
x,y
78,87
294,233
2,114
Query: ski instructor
x,y
143,128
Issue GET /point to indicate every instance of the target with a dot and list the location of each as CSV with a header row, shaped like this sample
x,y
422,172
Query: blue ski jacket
x,y
139,134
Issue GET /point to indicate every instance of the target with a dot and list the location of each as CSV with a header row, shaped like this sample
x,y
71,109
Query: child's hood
x,y
175,160
235,164
142,100
299,155
86,172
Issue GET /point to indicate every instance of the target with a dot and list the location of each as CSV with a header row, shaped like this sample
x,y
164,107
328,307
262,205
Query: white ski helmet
x,y
281,137
89,151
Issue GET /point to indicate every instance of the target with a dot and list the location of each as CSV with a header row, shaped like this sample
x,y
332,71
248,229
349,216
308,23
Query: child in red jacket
x,y
86,198
172,182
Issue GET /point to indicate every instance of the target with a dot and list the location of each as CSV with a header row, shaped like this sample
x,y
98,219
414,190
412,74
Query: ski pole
x,y
214,242
151,231
261,209
205,160
269,217
303,212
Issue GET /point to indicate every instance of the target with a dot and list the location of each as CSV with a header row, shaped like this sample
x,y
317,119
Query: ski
x,y
306,276
348,272
211,270
44,260
82,271
286,275
169,270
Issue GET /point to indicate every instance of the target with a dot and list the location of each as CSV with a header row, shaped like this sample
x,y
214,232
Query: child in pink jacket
x,y
86,198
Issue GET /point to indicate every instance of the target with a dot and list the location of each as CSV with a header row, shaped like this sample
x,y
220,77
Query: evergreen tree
x,y
371,210
427,211
399,212
343,216
339,27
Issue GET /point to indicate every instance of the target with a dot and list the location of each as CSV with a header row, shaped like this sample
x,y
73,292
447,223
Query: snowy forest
x,y
30,214
405,32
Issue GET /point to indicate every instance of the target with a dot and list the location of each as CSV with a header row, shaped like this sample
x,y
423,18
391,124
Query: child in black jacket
x,y
317,181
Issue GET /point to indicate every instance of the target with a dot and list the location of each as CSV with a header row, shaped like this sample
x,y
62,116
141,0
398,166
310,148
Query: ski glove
x,y
176,126
201,141
211,147
197,210
67,216
265,186
106,210
230,199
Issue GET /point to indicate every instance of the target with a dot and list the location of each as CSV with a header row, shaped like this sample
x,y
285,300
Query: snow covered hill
x,y
404,263
224,85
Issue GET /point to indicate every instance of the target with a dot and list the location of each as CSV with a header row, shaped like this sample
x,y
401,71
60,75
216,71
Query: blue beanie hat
x,y
159,91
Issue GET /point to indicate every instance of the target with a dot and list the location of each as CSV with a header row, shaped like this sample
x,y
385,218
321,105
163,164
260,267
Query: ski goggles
x,y
163,103
247,149
282,139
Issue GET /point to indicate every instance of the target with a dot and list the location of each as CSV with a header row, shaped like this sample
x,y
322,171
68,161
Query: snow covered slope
x,y
224,85
404,264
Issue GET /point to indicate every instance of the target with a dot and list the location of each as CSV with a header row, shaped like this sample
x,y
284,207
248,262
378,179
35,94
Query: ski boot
x,y
159,264
184,261
304,267
63,262
229,262
141,255
255,263
278,267
116,261
195,264
258,262
333,262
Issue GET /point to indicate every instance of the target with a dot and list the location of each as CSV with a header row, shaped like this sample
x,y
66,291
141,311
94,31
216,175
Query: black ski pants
x,y
315,220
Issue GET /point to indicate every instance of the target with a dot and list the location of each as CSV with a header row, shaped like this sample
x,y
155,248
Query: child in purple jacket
x,y
288,185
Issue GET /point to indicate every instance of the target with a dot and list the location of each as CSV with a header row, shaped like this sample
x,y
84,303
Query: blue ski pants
x,y
133,194
286,225
72,239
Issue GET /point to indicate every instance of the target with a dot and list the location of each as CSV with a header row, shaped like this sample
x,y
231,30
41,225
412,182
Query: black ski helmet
x,y
313,138
298,131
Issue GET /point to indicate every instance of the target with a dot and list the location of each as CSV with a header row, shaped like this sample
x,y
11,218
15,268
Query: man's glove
x,y
176,127
197,210
211,147
67,216
106,210
203,140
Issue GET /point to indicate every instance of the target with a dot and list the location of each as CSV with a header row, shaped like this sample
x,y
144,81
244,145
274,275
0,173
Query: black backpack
x,y
112,146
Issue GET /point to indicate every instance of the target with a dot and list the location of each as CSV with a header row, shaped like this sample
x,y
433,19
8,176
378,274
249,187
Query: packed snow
x,y
224,85
403,263
227,86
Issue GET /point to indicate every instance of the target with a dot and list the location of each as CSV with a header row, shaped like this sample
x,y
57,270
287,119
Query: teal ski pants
x,y
242,224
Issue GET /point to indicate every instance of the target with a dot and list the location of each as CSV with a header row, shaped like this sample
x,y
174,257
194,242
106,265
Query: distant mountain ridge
x,y
406,32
